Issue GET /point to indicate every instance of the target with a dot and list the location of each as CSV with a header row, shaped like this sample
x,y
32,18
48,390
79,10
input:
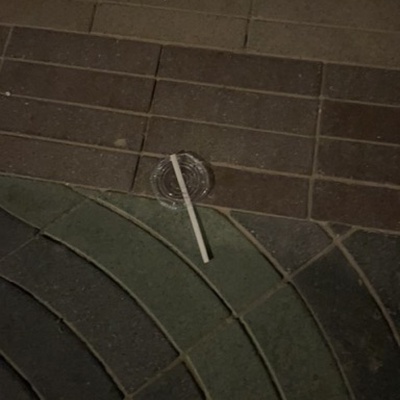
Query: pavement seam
x,y
94,12
76,333
196,46
23,377
368,285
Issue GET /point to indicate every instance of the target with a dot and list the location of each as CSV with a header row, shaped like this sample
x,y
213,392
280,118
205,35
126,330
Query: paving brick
x,y
229,7
177,384
12,385
289,336
237,269
72,15
177,297
378,255
59,162
324,43
47,352
84,51
13,233
361,83
76,85
232,146
363,161
47,201
369,206
364,14
72,123
360,121
291,242
105,316
3,37
244,190
245,71
230,354
252,110
355,326
172,26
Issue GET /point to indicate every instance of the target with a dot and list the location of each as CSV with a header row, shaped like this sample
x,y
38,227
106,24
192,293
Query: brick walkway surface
x,y
297,109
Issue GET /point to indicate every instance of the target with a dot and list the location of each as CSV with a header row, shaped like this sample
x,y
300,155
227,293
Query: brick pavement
x,y
296,106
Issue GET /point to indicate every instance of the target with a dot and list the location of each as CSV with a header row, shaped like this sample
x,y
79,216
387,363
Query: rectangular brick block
x,y
84,50
229,7
245,71
3,37
361,121
76,85
359,14
325,43
363,161
72,164
172,26
363,84
355,204
237,189
73,123
252,110
232,146
63,14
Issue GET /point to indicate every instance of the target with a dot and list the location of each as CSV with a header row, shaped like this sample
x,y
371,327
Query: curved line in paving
x,y
134,297
35,393
77,334
198,271
277,265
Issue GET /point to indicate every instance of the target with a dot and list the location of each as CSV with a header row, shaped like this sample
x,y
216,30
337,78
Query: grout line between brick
x,y
316,146
93,16
76,333
18,371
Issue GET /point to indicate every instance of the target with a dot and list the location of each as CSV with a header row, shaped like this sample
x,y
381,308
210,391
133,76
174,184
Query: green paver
x,y
230,368
295,348
36,202
238,270
174,293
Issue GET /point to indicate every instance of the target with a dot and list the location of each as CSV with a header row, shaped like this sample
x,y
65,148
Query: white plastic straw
x,y
190,209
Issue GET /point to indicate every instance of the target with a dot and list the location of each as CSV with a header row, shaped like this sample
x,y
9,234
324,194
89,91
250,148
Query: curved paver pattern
x,y
105,316
267,342
47,352
12,385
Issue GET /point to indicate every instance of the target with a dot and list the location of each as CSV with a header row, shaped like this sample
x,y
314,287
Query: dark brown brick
x,y
171,25
73,164
253,110
3,37
273,194
233,146
76,85
364,14
245,71
361,121
72,123
363,161
62,14
84,50
364,84
356,204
